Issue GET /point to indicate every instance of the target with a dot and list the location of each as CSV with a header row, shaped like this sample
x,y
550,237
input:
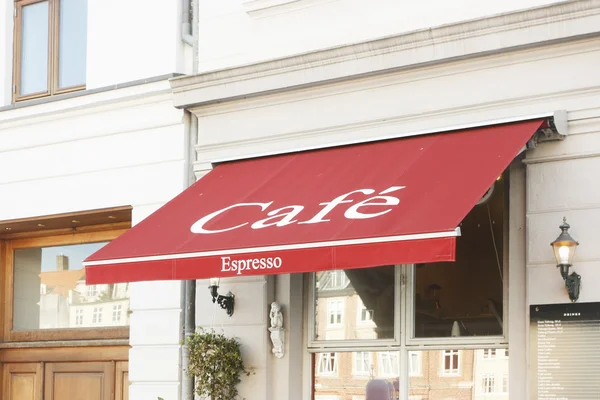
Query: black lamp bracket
x,y
572,281
226,301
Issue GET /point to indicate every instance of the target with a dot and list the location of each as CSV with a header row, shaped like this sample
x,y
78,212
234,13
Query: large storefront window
x,y
422,332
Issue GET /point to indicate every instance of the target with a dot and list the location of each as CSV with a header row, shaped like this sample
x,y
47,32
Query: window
x,y
50,47
365,308
46,295
365,316
414,363
92,291
489,354
487,383
505,352
327,364
427,332
116,315
505,383
335,280
335,310
362,363
441,292
389,364
97,315
451,362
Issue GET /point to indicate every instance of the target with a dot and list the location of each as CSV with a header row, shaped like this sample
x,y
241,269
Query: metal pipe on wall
x,y
189,35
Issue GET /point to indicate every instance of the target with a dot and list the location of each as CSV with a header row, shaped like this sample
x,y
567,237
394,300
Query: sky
x,y
76,253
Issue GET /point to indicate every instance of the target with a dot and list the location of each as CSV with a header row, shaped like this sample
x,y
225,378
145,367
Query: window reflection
x,y
465,297
355,304
461,375
50,291
358,374
432,375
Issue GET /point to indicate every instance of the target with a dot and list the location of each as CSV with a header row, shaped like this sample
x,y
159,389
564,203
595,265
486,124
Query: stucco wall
x,y
115,148
237,32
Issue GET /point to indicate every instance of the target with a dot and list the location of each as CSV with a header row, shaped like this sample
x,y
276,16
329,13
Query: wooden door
x,y
122,381
22,381
79,381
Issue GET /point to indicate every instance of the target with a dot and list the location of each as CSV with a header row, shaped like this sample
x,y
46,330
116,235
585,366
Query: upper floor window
x,y
50,47
451,362
489,354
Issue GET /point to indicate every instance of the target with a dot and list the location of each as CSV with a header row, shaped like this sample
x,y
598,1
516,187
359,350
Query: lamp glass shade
x,y
564,246
564,252
214,282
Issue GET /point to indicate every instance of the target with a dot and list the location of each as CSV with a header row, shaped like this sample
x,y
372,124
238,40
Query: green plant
x,y
216,362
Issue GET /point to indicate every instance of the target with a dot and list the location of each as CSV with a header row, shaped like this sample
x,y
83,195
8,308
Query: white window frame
x,y
404,339
391,357
488,381
504,383
338,309
490,353
330,356
355,362
97,315
116,312
418,371
78,317
453,371
360,307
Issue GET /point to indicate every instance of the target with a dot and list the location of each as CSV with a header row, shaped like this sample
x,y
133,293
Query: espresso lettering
x,y
225,267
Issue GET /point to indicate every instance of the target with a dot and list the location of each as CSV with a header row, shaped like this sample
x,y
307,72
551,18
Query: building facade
x,y
282,77
90,143
101,138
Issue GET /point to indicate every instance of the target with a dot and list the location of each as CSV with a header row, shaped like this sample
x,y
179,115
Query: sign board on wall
x,y
565,351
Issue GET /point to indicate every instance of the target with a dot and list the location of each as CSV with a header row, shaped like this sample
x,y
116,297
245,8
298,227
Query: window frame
x,y
453,372
391,355
488,381
331,356
355,363
52,85
348,345
337,311
403,341
85,333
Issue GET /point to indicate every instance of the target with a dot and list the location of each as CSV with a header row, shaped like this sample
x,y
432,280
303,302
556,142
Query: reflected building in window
x,y
66,302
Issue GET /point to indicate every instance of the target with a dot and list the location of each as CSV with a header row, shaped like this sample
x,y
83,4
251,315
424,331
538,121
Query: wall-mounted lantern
x,y
564,250
225,301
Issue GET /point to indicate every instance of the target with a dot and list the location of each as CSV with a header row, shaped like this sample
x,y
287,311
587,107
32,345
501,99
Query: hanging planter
x,y
216,362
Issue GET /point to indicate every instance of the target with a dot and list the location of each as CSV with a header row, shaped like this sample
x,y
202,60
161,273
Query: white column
x,y
154,357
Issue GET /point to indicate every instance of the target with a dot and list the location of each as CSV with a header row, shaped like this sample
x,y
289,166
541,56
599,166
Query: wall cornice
x,y
560,22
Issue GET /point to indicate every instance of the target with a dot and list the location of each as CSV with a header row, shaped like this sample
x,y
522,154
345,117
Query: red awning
x,y
390,202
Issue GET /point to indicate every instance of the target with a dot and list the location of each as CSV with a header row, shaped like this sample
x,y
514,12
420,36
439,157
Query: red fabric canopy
x,y
389,202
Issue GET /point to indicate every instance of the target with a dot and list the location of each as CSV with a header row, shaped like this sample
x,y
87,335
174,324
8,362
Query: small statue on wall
x,y
276,316
276,329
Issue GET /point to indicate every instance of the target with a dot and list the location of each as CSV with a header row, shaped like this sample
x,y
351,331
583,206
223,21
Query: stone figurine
x,y
277,331
276,316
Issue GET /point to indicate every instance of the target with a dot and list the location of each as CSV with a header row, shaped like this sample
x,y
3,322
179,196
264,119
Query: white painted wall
x,y
236,32
126,41
130,40
115,148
